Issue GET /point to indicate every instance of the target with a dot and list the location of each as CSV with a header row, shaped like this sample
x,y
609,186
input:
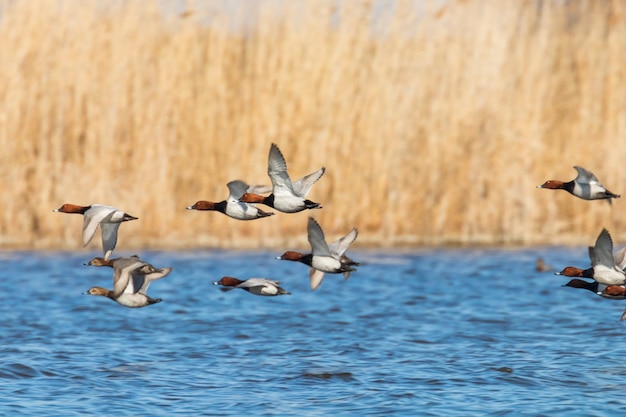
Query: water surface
x,y
446,332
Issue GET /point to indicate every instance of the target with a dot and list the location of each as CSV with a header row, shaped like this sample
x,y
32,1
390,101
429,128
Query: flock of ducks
x,y
132,276
607,275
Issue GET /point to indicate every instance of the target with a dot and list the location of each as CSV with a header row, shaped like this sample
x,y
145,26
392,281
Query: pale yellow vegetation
x,y
435,122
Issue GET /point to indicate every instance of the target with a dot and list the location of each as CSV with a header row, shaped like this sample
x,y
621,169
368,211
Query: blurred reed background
x,y
435,120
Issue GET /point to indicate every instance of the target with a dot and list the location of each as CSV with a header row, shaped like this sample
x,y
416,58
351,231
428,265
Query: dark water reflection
x,y
453,332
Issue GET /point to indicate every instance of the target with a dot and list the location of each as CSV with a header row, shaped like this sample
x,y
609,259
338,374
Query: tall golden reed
x,y
435,124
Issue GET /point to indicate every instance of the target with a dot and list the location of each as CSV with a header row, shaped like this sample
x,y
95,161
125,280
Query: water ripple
x,y
407,335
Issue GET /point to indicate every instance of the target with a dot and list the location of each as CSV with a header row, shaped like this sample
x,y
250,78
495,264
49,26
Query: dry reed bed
x,y
435,125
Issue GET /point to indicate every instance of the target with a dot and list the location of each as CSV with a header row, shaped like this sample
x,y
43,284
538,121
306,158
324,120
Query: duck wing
x,y
620,258
237,188
256,283
109,237
277,171
304,184
122,271
259,286
316,239
315,278
585,176
139,283
143,279
592,255
92,218
260,189
338,247
603,250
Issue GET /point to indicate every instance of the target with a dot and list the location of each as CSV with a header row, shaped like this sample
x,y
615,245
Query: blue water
x,y
452,332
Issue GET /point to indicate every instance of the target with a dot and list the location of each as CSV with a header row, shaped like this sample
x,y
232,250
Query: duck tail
x,y
262,213
154,300
312,205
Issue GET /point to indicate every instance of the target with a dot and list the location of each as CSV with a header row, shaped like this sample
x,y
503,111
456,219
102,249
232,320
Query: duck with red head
x,y
324,257
572,271
605,269
256,286
615,292
580,283
131,279
305,258
286,196
232,207
107,217
586,186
